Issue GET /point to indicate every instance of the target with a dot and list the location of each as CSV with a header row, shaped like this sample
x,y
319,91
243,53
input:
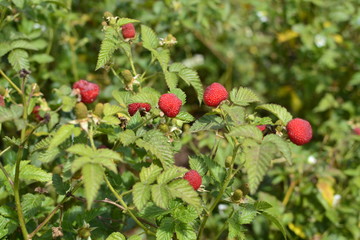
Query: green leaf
x,y
191,77
92,177
247,131
123,21
243,96
149,175
147,95
122,97
64,132
106,153
163,56
19,3
41,58
156,143
185,214
116,236
108,47
262,205
184,231
135,121
160,195
235,113
217,172
185,116
279,111
207,122
110,110
30,172
135,237
166,229
149,38
171,80
152,211
197,163
81,149
181,188
23,44
282,145
176,67
79,162
127,137
19,59
245,214
258,158
141,195
277,223
111,120
31,203
10,114
170,174
60,187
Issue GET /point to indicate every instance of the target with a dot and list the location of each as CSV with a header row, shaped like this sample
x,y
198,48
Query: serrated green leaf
x,y
122,97
23,44
191,77
280,112
81,149
245,214
281,144
198,164
149,175
110,110
30,172
135,237
171,80
116,236
170,174
166,229
19,3
31,204
106,153
160,195
247,131
111,120
127,137
217,172
147,95
41,58
156,143
207,122
277,223
185,117
152,211
60,187
141,195
176,67
243,96
64,132
79,162
19,59
163,56
235,113
92,177
149,38
123,21
10,114
262,205
185,214
107,163
236,230
184,231
181,188
107,48
180,94
258,158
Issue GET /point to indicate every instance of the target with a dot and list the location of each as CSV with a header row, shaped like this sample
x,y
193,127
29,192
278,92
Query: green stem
x,y
231,174
119,198
7,175
11,82
225,225
53,212
132,64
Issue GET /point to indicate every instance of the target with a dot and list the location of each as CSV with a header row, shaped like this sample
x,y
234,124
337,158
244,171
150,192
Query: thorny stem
x,y
119,198
231,174
11,82
48,218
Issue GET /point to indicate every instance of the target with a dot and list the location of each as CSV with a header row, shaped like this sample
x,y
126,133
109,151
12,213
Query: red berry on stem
x,y
170,104
261,127
194,178
356,131
2,102
299,131
215,94
88,90
36,113
128,31
134,107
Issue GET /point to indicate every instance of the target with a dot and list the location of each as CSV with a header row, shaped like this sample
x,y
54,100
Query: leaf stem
x,y
7,175
119,198
11,82
225,225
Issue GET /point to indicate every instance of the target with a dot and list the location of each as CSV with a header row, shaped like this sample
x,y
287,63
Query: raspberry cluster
x,y
215,94
142,107
128,31
299,131
88,90
170,104
194,178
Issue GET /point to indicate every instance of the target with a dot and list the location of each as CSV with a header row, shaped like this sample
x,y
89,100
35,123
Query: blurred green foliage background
x,y
302,54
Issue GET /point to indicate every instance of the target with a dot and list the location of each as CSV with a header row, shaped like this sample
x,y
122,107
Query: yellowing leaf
x,y
286,36
297,230
338,38
324,185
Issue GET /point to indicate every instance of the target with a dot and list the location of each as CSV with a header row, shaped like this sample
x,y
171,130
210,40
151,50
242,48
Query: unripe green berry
x,y
128,77
80,111
2,90
99,109
237,195
228,161
84,232
164,128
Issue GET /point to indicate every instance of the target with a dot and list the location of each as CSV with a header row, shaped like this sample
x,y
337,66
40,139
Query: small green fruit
x,y
81,111
237,195
99,109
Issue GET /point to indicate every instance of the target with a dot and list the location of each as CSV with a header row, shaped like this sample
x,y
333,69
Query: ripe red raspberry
x,y
194,178
134,107
2,102
88,90
170,104
299,131
356,131
128,30
261,127
215,94
36,114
